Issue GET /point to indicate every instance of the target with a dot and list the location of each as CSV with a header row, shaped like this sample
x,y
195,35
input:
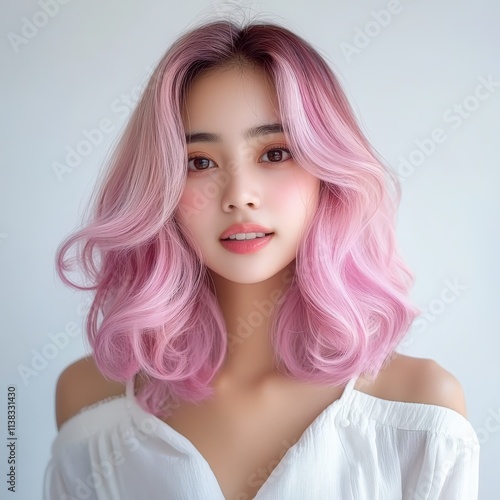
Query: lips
x,y
246,227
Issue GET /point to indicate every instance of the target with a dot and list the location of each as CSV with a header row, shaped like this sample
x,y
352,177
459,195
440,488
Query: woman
x,y
249,277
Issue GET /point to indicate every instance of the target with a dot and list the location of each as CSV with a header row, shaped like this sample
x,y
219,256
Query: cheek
x,y
197,197
187,198
195,213
186,212
191,205
298,194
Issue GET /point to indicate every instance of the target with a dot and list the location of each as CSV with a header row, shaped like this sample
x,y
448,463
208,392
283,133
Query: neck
x,y
247,310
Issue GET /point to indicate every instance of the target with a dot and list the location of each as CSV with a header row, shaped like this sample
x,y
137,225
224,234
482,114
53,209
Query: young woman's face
x,y
240,179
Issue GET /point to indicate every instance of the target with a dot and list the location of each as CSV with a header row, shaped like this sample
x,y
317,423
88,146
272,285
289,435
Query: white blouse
x,y
359,448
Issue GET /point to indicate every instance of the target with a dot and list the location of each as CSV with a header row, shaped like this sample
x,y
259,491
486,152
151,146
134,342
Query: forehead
x,y
230,97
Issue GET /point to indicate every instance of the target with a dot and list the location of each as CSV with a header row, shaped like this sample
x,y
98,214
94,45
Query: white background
x,y
77,69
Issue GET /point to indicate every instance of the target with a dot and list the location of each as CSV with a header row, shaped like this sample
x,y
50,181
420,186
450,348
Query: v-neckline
x,y
130,396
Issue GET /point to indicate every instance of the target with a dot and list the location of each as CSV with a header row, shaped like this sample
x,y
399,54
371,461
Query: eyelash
x,y
270,148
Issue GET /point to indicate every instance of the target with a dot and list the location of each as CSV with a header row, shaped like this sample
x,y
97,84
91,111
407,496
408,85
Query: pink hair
x,y
347,307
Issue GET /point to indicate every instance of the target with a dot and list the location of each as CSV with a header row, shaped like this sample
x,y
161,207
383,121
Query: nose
x,y
242,189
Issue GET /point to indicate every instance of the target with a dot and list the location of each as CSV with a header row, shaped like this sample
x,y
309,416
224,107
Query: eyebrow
x,y
271,128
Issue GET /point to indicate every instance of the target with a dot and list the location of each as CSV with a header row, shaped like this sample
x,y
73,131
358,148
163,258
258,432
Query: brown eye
x,y
275,154
200,163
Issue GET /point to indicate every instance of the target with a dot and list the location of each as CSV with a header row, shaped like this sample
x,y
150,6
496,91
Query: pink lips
x,y
246,246
246,227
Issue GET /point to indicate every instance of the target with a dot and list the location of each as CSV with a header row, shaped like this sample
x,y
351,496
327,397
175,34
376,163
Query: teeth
x,y
246,236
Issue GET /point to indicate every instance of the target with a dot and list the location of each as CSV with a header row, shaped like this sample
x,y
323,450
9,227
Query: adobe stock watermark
x,y
246,326
211,189
432,482
491,426
364,35
214,183
131,439
91,138
104,469
269,473
31,27
436,307
50,350
40,357
454,117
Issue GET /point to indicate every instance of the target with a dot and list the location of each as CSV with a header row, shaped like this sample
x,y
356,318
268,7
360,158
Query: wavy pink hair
x,y
347,307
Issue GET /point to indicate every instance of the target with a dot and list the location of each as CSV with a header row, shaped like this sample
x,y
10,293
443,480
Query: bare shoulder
x,y
81,384
417,380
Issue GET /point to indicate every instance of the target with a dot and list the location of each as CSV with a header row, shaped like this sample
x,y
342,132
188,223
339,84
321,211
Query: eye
x,y
200,162
277,153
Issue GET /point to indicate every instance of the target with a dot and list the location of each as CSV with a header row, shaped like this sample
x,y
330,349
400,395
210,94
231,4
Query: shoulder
x,y
81,384
417,380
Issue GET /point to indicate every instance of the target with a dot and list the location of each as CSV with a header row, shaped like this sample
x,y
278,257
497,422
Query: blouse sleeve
x,y
64,481
449,469
53,485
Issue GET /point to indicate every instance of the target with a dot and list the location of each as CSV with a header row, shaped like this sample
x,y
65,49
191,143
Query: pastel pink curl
x,y
347,306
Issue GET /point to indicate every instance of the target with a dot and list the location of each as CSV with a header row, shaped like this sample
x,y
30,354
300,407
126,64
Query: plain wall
x,y
417,83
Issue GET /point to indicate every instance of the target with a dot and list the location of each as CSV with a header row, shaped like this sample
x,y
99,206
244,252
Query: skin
x,y
283,197
251,184
256,409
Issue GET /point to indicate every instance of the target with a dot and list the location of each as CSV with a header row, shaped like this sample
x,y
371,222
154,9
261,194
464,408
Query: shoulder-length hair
x,y
347,306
